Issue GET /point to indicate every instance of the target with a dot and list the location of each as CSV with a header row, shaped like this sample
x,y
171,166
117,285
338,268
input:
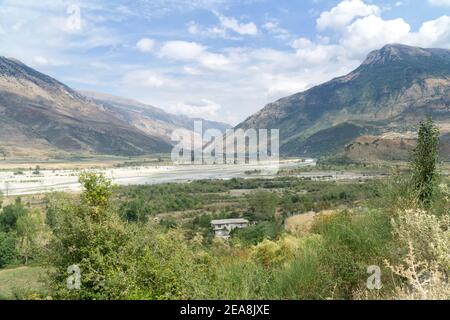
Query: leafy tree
x,y
28,229
97,191
255,234
37,170
118,260
425,160
56,202
10,215
263,204
8,251
86,233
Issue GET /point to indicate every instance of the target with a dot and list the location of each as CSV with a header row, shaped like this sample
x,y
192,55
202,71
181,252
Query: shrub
x,y
11,214
8,253
425,159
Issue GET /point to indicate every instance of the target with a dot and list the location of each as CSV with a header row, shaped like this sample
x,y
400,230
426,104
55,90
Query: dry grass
x,y
302,223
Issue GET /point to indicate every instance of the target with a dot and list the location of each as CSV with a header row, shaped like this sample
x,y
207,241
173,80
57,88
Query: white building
x,y
223,228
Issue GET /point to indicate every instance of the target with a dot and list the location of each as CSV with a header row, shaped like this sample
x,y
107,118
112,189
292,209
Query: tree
x,y
89,234
116,259
8,252
97,190
10,215
263,204
28,229
425,160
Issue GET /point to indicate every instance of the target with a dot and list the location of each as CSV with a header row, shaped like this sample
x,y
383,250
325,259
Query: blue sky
x,y
218,59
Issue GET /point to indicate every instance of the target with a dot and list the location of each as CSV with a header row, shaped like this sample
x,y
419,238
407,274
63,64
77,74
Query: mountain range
x,y
42,117
370,113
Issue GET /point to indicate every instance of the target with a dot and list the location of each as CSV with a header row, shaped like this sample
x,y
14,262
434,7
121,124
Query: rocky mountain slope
x,y
393,89
42,117
149,119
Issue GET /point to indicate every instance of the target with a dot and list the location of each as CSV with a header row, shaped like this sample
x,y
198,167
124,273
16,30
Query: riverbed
x,y
29,182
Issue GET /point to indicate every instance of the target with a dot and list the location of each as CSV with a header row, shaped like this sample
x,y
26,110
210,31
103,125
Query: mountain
x,y
149,119
390,92
43,117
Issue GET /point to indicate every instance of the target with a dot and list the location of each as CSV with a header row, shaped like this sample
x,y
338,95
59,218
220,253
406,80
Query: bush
x,y
118,260
263,204
11,214
254,234
8,253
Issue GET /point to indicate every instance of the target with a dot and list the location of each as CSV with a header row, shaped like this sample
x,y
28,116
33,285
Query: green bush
x,y
11,214
254,234
8,252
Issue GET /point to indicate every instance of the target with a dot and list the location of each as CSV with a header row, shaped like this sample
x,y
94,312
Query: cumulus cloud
x,y
373,32
182,50
145,45
344,13
146,79
433,33
234,25
360,29
314,53
197,109
194,52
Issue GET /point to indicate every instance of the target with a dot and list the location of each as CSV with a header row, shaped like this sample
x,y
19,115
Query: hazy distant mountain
x,y
390,92
42,117
152,120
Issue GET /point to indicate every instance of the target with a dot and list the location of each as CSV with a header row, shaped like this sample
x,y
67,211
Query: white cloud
x,y
227,24
181,50
194,52
234,25
40,61
373,32
197,109
434,33
439,2
145,45
344,13
314,53
273,27
146,79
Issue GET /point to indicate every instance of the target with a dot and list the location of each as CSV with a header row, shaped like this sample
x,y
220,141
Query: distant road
x,y
67,180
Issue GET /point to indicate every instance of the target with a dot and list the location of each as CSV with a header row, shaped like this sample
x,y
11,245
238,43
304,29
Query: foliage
x,y
118,260
254,234
97,191
8,253
29,228
426,156
263,204
11,214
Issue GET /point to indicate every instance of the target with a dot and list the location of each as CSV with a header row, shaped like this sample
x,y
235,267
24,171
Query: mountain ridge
x,y
150,119
393,89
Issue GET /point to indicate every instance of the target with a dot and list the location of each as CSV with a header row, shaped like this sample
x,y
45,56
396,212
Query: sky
x,y
221,60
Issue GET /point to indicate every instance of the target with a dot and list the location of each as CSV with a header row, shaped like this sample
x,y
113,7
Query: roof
x,y
229,221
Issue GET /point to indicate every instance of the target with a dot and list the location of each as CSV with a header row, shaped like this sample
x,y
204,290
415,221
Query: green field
x,y
20,282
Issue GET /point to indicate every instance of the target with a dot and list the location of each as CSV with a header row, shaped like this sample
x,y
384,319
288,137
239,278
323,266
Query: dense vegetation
x,y
155,242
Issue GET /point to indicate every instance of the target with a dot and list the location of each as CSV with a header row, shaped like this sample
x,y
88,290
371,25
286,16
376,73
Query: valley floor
x,y
35,181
